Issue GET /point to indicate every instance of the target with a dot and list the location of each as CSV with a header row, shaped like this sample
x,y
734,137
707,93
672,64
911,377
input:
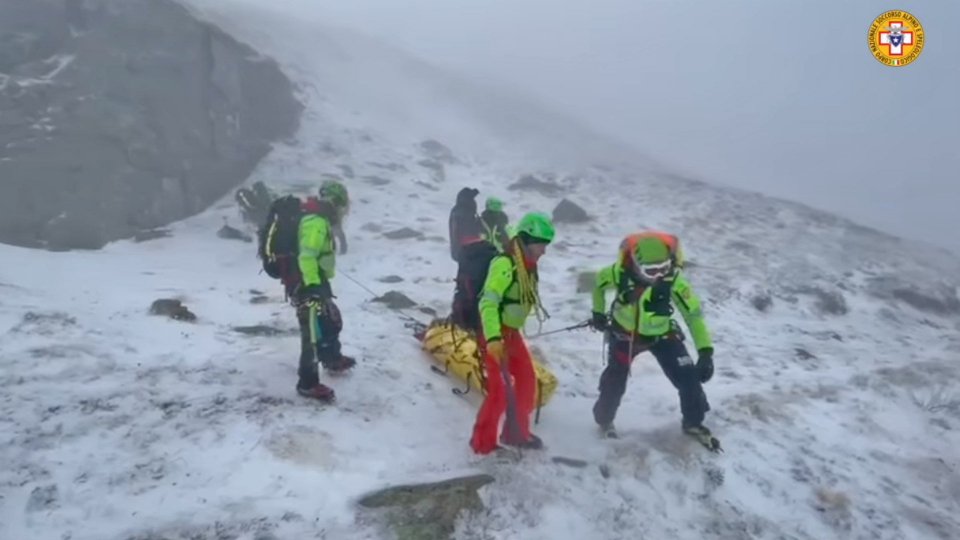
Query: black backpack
x,y
278,241
475,262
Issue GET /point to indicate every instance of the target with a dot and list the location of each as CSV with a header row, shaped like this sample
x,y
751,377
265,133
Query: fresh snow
x,y
117,424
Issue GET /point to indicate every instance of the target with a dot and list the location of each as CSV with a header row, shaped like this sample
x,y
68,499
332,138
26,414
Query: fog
x,y
778,97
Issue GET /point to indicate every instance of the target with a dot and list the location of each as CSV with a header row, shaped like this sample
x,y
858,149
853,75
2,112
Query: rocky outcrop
x,y
428,511
119,116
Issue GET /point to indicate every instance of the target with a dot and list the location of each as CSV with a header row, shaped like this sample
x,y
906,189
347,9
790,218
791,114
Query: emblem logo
x,y
895,38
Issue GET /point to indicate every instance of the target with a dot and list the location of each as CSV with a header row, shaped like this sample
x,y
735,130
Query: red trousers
x,y
520,366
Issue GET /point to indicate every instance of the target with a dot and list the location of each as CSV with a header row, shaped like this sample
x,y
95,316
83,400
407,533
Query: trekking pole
x,y
513,422
583,324
312,321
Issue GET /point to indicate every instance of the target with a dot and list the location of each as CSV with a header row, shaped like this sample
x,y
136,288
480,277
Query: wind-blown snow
x,y
118,424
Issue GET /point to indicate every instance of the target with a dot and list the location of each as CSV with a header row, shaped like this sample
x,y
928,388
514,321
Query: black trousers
x,y
327,349
676,364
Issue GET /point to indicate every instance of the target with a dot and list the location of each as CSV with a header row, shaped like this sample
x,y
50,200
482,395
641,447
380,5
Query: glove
x,y
315,294
705,364
599,321
495,350
659,302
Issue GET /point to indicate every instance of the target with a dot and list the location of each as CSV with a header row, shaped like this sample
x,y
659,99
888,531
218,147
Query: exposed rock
x,y
170,307
439,172
395,300
231,233
946,304
569,462
372,227
390,279
532,183
125,116
376,180
426,186
43,499
827,302
438,151
152,234
569,212
803,354
403,234
428,511
392,167
44,323
262,330
930,297
762,302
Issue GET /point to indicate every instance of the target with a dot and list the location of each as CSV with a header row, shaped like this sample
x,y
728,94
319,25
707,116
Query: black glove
x,y
599,321
705,364
659,302
315,294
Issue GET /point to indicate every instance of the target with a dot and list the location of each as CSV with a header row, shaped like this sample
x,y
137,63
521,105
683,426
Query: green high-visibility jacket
x,y
316,257
500,300
633,316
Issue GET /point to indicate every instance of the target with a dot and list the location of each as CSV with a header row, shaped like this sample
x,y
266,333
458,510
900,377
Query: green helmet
x,y
651,251
336,193
537,226
494,204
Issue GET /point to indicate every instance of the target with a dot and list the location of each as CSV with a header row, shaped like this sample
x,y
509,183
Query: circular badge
x,y
895,38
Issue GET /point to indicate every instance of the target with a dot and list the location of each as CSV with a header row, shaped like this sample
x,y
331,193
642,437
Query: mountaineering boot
x,y
533,443
340,364
703,436
320,392
608,431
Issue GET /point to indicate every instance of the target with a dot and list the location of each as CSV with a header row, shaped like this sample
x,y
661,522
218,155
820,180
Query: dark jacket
x,y
465,225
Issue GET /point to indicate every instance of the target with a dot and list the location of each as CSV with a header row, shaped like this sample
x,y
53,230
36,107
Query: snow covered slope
x,y
837,403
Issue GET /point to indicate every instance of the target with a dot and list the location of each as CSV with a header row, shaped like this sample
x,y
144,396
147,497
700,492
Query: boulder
x,y
395,300
569,212
125,116
428,511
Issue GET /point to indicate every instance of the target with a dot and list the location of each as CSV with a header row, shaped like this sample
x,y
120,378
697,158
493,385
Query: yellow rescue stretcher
x,y
455,351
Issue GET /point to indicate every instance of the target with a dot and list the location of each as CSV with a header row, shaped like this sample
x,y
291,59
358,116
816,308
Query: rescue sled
x,y
455,351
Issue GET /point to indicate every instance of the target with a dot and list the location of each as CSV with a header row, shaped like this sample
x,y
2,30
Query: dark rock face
x,y
569,212
122,116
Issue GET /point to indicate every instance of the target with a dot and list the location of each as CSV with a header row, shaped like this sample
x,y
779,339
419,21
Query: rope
x,y
374,296
529,295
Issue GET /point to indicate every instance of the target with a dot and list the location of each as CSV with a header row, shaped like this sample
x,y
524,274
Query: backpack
x,y
474,265
278,240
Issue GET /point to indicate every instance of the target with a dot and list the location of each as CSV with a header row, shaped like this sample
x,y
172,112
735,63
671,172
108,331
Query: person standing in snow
x,y
335,193
494,221
318,315
472,252
649,285
510,293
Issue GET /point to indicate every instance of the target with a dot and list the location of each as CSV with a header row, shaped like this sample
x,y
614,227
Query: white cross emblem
x,y
896,38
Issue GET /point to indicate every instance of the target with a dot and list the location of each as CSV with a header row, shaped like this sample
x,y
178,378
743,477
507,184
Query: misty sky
x,y
781,96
